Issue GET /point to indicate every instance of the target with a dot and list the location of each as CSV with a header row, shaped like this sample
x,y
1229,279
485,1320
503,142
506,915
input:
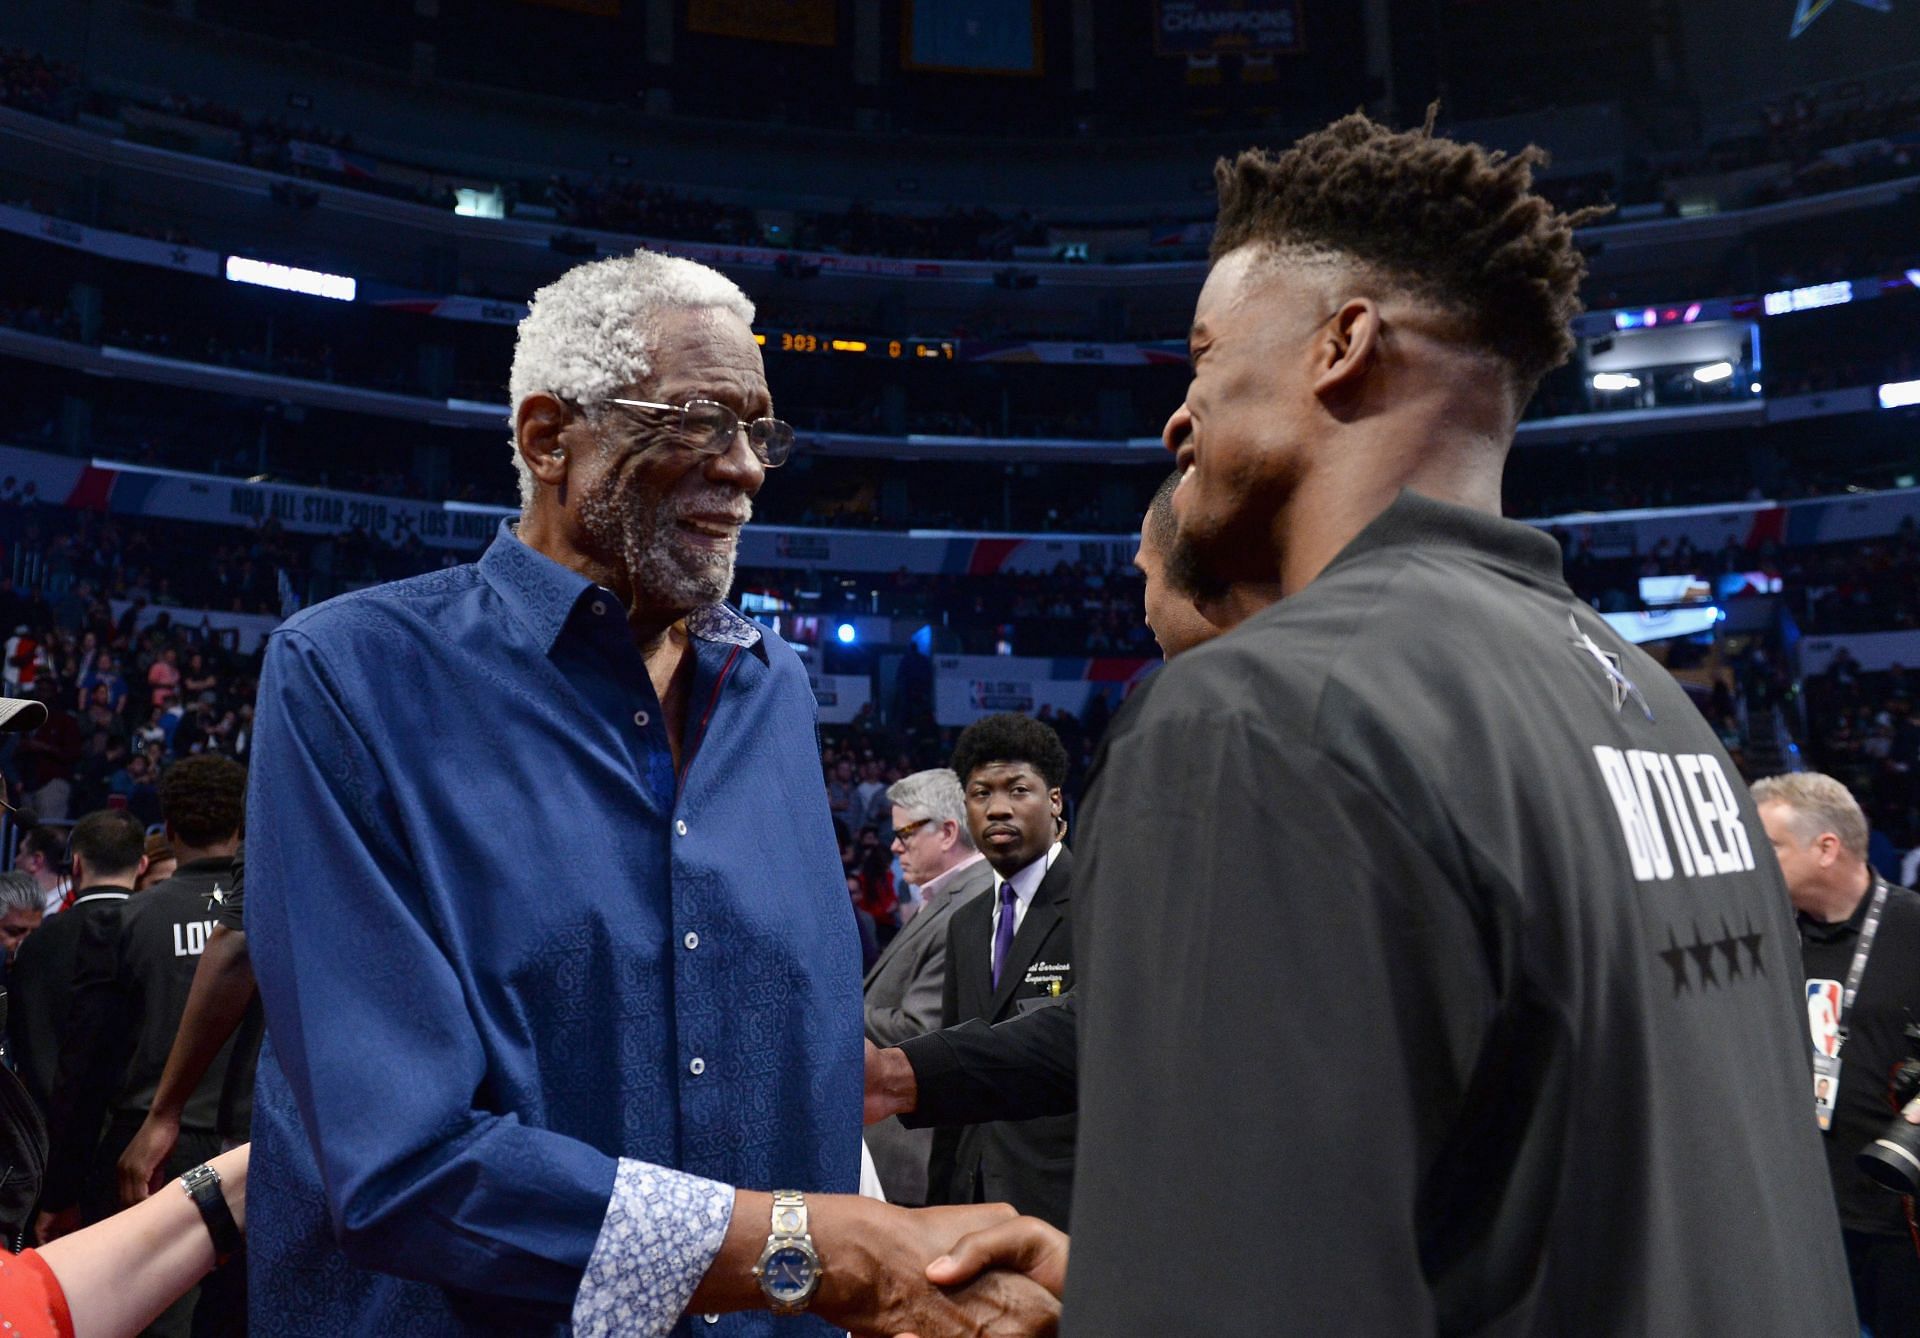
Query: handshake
x,y
976,1271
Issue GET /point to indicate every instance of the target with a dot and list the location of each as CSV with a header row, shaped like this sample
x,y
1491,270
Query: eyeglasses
x,y
908,832
709,428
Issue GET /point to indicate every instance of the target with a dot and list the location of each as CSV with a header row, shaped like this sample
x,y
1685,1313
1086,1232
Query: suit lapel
x,y
1049,906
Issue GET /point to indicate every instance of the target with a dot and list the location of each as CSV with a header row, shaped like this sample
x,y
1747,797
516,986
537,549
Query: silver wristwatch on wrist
x,y
789,1268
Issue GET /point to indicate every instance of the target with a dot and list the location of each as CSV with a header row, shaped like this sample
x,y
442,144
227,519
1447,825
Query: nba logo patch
x,y
1823,1016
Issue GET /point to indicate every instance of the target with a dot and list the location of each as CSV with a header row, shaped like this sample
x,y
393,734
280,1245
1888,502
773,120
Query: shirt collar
x,y
1416,520
1028,880
935,886
102,892
1832,931
543,595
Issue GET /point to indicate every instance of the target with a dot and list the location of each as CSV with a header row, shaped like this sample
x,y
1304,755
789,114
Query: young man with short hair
x,y
1010,951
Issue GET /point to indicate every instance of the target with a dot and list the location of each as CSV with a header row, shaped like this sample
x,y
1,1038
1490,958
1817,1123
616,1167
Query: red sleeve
x,y
31,1302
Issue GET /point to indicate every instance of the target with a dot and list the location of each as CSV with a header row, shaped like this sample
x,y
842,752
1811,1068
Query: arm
x,y
222,991
919,1008
365,1008
1021,1069
118,1275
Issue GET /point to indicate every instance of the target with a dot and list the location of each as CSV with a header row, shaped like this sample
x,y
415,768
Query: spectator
x,y
905,988
109,858
129,994
1863,990
42,856
21,910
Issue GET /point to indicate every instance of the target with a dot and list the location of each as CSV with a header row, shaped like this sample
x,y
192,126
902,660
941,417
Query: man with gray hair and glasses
x,y
1860,944
903,989
498,1095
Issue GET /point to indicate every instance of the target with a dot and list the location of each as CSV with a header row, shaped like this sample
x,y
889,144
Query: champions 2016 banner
x,y
1214,27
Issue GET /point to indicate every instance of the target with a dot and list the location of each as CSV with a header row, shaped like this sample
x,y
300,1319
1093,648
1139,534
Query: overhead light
x,y
288,279
1611,381
1755,387
1713,371
1899,394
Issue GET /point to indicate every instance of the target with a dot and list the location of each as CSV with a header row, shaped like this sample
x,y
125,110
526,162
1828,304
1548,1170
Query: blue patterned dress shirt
x,y
534,1001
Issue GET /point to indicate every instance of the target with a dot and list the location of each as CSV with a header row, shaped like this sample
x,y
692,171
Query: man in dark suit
x,y
905,989
109,855
1008,953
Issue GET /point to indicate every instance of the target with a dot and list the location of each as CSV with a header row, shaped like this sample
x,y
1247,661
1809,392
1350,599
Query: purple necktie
x,y
1003,934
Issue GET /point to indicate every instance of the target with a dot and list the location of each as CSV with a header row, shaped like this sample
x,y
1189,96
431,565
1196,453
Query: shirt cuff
x,y
662,1231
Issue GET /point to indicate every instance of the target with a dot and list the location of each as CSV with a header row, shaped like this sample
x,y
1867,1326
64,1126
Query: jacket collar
x,y
1418,521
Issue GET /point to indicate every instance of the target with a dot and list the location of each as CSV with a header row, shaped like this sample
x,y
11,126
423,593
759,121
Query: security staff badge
x,y
1823,1023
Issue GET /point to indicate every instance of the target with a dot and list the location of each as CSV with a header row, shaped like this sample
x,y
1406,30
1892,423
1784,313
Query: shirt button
x,y
711,1319
599,608
641,718
692,940
697,1067
680,828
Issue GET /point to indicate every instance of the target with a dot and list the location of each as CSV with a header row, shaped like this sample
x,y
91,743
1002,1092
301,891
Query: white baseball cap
x,y
18,715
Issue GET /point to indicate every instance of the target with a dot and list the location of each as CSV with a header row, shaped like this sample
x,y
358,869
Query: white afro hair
x,y
589,333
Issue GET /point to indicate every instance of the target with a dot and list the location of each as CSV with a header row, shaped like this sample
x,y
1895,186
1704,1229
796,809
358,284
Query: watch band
x,y
789,1235
789,1213
202,1185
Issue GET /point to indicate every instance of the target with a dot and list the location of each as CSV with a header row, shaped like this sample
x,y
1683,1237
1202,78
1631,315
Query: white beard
x,y
666,569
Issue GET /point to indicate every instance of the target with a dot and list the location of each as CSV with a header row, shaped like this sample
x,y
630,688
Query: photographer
x,y
1860,941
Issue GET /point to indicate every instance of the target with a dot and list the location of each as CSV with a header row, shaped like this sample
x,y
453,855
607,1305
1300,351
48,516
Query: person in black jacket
x,y
130,993
1024,1068
1819,834
1010,951
109,854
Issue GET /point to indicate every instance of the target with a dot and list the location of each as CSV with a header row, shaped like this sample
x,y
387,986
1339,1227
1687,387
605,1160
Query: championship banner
x,y
797,22
1212,27
840,697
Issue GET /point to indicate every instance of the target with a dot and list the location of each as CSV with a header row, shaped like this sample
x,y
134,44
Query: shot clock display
x,y
807,341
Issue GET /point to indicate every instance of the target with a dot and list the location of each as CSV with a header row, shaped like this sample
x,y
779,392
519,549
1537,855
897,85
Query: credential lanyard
x,y
1859,967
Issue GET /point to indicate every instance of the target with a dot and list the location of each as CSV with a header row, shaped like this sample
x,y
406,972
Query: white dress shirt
x,y
1025,884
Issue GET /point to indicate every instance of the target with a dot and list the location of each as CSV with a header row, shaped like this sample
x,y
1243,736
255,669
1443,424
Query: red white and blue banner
x,y
141,490
113,245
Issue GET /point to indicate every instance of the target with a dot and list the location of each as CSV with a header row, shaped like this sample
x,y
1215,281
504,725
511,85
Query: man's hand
x,y
876,1279
892,1088
1025,1245
142,1166
52,1226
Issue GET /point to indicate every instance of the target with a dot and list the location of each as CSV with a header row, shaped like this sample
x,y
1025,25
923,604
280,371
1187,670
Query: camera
x,y
1893,1159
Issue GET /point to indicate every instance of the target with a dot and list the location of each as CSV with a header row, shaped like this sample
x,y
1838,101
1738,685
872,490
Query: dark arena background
x,y
262,264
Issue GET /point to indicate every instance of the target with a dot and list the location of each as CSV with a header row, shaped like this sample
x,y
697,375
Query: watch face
x,y
787,1274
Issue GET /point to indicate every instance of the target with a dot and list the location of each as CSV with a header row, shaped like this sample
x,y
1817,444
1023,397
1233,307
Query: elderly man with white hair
x,y
544,901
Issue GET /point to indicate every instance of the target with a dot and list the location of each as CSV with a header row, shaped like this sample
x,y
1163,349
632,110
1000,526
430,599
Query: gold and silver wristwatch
x,y
789,1268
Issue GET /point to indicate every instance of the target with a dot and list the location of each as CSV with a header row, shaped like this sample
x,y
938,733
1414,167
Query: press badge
x,y
1823,1025
1826,1088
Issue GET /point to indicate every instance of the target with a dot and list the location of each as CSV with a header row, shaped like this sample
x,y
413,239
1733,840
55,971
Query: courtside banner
x,y
1212,27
